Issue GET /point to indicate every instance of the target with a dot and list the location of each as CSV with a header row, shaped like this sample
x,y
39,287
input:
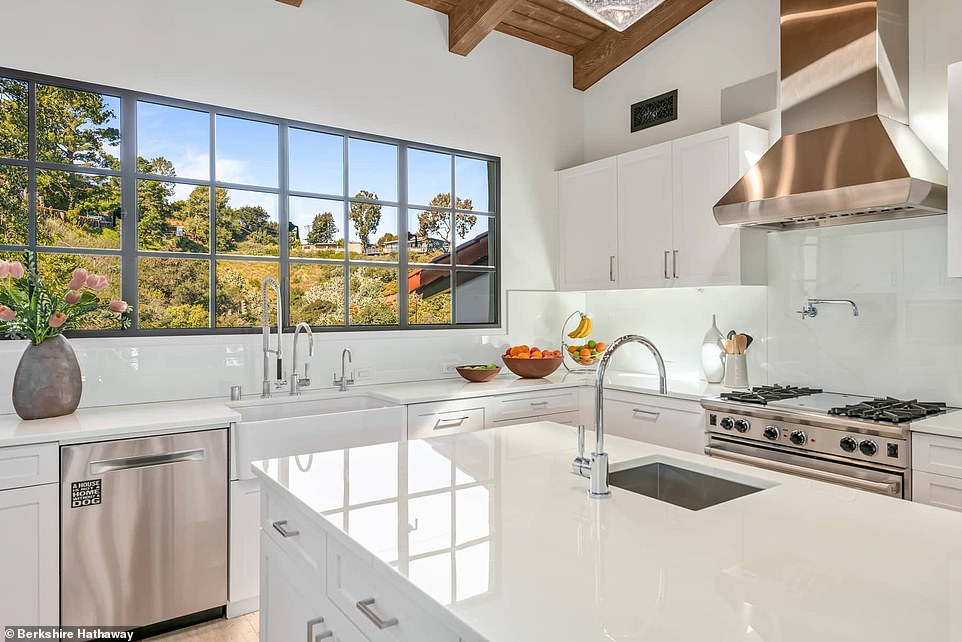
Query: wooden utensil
x,y
741,343
729,346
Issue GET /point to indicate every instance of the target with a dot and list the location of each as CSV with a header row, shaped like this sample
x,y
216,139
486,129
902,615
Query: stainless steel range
x,y
853,441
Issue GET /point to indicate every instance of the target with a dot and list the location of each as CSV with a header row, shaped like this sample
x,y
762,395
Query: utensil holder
x,y
736,371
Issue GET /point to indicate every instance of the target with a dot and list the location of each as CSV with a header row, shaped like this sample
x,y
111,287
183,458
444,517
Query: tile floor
x,y
240,629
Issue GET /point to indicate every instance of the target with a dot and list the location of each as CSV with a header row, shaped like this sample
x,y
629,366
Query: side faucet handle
x,y
581,441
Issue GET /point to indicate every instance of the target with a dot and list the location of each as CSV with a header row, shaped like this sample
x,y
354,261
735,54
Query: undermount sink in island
x,y
488,536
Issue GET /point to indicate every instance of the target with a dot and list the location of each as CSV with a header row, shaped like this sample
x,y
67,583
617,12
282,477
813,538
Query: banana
x,y
587,328
576,333
583,329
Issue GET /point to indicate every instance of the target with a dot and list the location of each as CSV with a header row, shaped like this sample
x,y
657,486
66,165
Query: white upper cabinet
x,y
645,218
588,204
661,216
955,170
705,166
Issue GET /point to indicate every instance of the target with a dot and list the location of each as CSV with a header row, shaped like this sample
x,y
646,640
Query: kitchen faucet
x,y
595,467
344,381
272,382
296,380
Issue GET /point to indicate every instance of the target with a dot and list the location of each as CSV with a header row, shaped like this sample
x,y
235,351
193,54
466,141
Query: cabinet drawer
x,y
445,418
633,418
510,407
292,531
937,490
367,597
937,454
29,465
572,418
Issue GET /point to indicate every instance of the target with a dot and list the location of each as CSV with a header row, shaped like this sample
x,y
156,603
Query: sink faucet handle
x,y
581,441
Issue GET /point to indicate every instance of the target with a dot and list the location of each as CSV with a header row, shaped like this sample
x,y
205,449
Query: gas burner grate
x,y
891,410
763,394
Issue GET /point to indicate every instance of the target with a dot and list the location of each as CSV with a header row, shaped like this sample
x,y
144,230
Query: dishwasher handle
x,y
145,461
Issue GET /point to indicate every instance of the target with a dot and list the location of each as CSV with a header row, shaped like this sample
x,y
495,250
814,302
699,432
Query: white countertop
x,y
949,424
123,421
110,422
533,558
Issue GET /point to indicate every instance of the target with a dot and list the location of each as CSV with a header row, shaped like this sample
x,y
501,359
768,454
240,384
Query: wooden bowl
x,y
532,368
478,376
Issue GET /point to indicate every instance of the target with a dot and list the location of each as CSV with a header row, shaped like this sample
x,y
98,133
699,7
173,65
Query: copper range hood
x,y
847,154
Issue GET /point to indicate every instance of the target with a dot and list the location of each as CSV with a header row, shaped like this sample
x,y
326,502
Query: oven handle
x,y
892,489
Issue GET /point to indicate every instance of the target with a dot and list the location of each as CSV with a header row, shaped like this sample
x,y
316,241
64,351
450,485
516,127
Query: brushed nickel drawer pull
x,y
667,252
281,527
537,404
364,606
450,423
320,636
650,413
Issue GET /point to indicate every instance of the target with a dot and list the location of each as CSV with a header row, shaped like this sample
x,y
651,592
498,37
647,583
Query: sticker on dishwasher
x,y
85,493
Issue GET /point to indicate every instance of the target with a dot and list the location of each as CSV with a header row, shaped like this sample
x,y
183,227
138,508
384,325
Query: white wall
x,y
379,66
731,41
727,42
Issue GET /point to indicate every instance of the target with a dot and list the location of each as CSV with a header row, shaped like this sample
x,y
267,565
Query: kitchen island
x,y
488,536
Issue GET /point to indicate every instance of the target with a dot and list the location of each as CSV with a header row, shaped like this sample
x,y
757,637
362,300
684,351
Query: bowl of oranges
x,y
532,362
587,353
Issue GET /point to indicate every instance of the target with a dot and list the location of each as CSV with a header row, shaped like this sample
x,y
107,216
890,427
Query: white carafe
x,y
713,354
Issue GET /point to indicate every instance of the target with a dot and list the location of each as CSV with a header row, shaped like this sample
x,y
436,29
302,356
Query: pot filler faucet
x,y
270,383
811,311
595,467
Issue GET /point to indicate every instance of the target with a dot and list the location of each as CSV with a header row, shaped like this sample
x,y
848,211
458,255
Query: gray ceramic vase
x,y
47,382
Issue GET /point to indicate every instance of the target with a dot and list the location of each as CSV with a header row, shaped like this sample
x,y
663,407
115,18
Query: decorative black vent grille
x,y
654,111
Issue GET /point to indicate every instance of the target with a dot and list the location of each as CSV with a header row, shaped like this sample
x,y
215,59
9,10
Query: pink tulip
x,y
78,280
57,320
6,314
72,297
92,280
4,269
16,270
100,284
117,306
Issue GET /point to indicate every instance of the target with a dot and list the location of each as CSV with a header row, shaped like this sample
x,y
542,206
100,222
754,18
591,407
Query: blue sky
x,y
246,153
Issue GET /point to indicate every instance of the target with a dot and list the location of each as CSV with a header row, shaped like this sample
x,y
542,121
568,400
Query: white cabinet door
x,y
588,224
705,166
294,605
955,170
244,556
30,556
673,423
645,218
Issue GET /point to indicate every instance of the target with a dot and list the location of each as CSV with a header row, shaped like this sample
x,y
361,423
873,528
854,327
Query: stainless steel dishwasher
x,y
144,529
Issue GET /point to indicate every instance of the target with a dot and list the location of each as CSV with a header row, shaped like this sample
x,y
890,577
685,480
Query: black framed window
x,y
186,208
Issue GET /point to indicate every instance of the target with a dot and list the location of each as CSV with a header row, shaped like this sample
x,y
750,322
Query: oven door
x,y
881,481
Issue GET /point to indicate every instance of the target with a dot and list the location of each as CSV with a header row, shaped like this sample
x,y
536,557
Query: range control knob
x,y
798,437
771,432
868,448
742,425
727,423
848,444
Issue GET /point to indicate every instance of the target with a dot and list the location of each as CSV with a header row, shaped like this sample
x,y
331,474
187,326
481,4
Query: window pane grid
x,y
254,224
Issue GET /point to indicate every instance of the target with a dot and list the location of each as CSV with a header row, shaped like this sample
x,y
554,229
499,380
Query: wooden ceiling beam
x,y
293,3
612,49
472,20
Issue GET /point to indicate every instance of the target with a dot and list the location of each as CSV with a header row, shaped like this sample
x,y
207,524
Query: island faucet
x,y
296,380
595,467
344,381
271,382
